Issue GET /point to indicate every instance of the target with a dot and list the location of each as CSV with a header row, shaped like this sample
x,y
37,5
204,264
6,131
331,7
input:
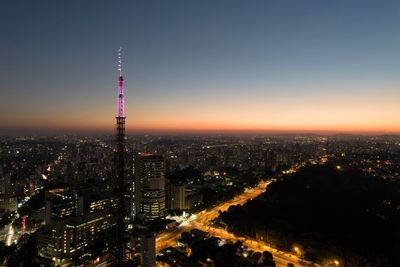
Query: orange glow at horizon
x,y
365,115
198,126
376,112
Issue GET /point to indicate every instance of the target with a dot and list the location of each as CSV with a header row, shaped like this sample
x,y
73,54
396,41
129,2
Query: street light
x,y
297,250
332,263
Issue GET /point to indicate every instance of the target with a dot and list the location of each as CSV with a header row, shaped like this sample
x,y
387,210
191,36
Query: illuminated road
x,y
203,221
204,218
10,235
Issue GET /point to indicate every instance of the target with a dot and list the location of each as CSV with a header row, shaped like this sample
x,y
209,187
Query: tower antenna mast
x,y
120,177
121,100
120,61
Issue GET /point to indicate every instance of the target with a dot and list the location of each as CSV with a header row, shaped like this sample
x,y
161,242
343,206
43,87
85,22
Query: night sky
x,y
330,66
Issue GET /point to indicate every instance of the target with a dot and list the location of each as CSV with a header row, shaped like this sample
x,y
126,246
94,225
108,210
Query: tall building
x,y
144,247
150,186
61,240
148,250
8,199
270,160
176,196
73,223
6,185
61,204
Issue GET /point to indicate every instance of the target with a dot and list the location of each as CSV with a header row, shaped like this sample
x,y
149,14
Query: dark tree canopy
x,y
330,212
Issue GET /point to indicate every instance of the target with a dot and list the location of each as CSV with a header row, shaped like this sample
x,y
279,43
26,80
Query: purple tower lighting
x,y
121,104
120,178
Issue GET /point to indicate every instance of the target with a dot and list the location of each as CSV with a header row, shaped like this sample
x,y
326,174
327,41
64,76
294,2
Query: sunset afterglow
x,y
327,69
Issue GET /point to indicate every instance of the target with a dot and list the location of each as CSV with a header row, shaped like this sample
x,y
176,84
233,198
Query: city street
x,y
203,221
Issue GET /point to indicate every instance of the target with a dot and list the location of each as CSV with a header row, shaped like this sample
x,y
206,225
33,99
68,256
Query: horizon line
x,y
51,131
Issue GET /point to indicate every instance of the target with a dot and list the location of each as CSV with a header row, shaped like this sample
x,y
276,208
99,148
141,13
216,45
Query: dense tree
x,y
23,255
34,203
330,212
183,174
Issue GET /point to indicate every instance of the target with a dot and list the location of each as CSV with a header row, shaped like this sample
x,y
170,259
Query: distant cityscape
x,y
56,191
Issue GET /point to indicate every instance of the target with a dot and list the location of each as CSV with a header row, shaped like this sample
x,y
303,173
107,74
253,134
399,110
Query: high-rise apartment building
x,y
61,240
150,186
8,199
73,223
176,196
61,204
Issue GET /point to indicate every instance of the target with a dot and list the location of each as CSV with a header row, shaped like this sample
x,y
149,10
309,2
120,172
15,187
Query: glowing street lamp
x,y
297,250
332,263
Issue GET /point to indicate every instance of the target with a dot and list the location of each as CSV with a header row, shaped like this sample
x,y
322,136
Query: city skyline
x,y
200,133
201,67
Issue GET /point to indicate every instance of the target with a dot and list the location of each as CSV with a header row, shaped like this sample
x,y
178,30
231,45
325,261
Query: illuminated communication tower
x,y
120,168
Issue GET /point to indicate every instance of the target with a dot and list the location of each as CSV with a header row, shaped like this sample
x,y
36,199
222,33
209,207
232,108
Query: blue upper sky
x,y
183,59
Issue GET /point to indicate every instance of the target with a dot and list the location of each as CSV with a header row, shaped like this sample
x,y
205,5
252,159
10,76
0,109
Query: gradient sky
x,y
201,65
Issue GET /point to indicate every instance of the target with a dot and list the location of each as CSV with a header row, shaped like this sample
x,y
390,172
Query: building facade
x,y
176,196
150,186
